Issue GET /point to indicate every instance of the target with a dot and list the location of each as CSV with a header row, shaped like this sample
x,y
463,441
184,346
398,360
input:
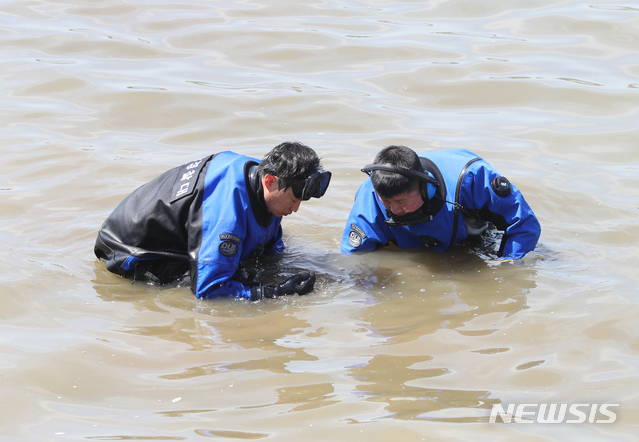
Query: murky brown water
x,y
99,97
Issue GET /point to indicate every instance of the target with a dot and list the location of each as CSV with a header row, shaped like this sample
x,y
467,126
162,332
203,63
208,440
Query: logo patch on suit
x,y
228,248
230,237
356,236
354,239
230,244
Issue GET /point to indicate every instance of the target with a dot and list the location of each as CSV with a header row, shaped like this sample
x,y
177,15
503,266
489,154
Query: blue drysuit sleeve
x,y
230,234
225,241
220,268
510,212
218,261
365,228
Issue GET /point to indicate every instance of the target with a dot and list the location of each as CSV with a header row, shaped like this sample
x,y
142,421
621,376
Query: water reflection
x,y
304,397
242,435
394,380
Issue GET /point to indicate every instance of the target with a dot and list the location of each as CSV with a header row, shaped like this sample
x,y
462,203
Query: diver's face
x,y
279,202
404,203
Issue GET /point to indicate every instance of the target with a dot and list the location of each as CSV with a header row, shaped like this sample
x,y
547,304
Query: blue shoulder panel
x,y
230,232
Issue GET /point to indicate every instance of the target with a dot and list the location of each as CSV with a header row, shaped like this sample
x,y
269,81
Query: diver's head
x,y
402,184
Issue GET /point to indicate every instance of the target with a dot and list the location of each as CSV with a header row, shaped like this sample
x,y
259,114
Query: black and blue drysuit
x,y
196,223
470,194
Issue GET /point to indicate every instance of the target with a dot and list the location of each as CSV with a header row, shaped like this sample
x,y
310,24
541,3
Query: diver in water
x,y
434,200
197,223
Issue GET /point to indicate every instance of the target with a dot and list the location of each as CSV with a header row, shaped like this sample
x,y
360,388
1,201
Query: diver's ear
x,y
269,181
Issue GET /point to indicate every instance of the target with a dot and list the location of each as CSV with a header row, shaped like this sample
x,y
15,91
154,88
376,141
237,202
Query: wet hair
x,y
390,184
289,161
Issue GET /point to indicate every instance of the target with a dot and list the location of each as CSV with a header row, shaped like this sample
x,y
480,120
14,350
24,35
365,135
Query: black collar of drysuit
x,y
433,205
256,194
419,216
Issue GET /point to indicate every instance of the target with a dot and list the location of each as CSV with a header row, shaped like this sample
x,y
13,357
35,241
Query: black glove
x,y
244,276
302,283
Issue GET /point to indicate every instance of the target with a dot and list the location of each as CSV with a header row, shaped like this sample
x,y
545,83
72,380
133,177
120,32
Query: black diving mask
x,y
312,187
